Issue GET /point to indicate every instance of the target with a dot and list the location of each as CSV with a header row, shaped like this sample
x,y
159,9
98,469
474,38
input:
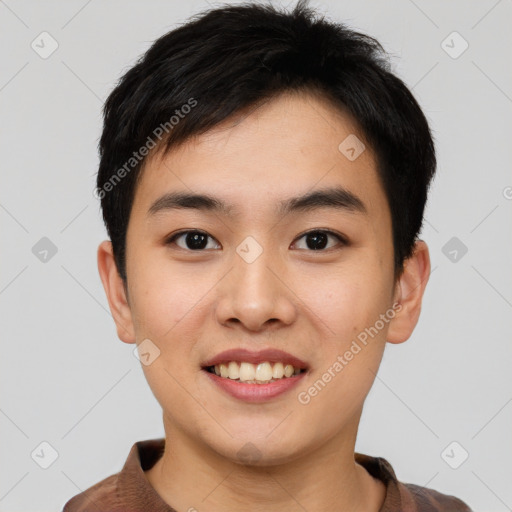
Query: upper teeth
x,y
263,372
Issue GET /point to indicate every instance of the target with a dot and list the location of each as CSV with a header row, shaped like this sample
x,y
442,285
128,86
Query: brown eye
x,y
318,240
192,240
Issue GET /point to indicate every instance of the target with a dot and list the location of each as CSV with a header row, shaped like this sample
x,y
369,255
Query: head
x,y
263,178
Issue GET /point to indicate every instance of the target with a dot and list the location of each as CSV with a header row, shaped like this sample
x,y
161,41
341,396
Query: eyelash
x,y
342,240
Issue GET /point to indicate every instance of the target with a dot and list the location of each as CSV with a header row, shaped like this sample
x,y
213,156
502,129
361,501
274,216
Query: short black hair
x,y
229,58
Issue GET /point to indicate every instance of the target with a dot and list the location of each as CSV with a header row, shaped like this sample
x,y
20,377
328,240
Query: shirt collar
x,y
139,493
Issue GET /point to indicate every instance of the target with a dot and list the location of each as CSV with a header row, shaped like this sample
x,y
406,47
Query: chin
x,y
249,450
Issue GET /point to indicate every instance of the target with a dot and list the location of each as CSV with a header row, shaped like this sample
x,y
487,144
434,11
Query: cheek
x,y
345,306
166,299
343,301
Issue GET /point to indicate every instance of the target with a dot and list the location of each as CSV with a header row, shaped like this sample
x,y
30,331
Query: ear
x,y
409,291
116,293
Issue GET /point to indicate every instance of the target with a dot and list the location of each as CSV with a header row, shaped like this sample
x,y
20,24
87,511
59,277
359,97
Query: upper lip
x,y
272,355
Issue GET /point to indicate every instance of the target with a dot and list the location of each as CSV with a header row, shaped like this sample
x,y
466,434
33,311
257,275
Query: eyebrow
x,y
338,198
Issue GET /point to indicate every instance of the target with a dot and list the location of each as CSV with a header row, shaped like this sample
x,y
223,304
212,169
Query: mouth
x,y
248,373
261,367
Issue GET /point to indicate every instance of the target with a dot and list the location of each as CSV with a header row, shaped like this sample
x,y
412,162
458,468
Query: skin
x,y
193,305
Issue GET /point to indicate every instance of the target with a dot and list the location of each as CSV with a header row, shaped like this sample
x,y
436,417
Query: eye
x,y
194,240
318,240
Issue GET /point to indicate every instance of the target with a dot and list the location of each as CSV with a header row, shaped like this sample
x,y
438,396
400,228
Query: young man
x,y
263,178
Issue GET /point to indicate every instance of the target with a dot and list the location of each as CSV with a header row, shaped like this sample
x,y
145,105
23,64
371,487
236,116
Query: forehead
x,y
288,146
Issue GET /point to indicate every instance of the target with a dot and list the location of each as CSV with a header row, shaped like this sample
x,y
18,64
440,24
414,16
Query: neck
x,y
191,476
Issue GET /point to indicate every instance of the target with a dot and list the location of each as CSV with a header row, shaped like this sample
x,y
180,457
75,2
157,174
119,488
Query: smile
x,y
254,376
262,373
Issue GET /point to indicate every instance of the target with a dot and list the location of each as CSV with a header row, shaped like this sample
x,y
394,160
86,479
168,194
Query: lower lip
x,y
255,392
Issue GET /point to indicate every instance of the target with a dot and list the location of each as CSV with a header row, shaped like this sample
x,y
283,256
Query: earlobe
x,y
409,294
115,291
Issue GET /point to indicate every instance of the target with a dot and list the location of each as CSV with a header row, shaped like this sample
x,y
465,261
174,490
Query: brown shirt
x,y
130,491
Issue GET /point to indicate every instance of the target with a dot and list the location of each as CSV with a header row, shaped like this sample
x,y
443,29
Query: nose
x,y
256,295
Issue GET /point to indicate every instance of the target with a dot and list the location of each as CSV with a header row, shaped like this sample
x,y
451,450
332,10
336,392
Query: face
x,y
264,272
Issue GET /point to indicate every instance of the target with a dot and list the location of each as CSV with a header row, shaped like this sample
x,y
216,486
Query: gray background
x,y
68,380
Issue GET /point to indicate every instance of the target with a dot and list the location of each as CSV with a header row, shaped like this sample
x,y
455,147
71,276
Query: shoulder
x,y
100,496
423,499
406,497
128,490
